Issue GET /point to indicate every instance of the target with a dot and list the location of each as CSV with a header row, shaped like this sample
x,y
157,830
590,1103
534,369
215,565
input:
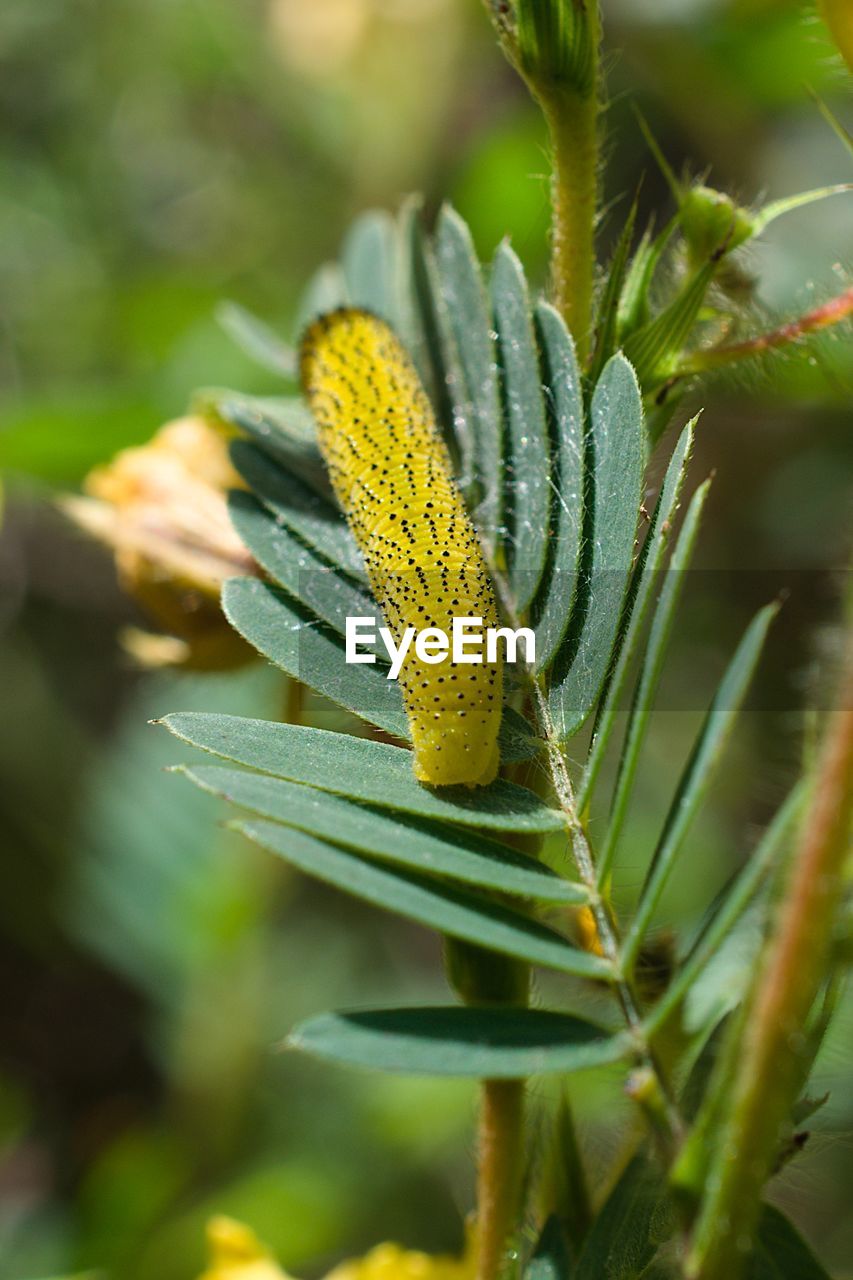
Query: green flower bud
x,y
556,43
712,223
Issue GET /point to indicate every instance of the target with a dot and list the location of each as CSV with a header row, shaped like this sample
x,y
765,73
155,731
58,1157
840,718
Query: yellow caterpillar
x,y
393,477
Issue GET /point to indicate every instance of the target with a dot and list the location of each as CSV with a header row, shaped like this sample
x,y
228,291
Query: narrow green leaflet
x,y
496,1043
562,381
639,598
634,303
650,673
376,772
420,845
517,738
426,900
607,315
695,782
257,339
635,1220
315,520
324,590
370,261
282,428
278,423
462,288
527,481
654,349
429,340
615,458
551,1259
451,401
778,208
733,903
294,640
325,291
780,1251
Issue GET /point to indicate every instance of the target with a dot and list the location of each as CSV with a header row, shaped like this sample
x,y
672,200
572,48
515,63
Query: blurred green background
x,y
157,157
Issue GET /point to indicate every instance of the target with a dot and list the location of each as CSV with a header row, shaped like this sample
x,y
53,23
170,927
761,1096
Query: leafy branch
x,y
551,411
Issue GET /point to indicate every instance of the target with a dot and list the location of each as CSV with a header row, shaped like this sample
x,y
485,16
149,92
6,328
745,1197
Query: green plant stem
x,y
667,1126
659,1102
572,119
827,314
499,1172
558,59
768,1062
481,977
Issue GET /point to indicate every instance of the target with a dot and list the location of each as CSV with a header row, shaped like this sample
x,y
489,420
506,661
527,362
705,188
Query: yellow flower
x,y
162,510
236,1254
390,1262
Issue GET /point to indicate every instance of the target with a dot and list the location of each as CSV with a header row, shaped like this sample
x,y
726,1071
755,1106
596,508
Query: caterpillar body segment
x,y
393,478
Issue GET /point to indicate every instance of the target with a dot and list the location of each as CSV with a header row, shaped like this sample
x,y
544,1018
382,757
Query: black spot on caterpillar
x,y
393,478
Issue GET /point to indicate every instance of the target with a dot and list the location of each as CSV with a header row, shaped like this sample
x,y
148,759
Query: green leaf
x,y
730,908
325,291
615,457
322,589
316,521
781,1253
778,208
491,1043
455,912
282,428
292,638
527,475
607,316
634,304
561,377
422,846
649,678
551,1259
376,772
632,1224
419,325
654,349
517,738
639,598
439,354
261,343
370,261
461,285
696,779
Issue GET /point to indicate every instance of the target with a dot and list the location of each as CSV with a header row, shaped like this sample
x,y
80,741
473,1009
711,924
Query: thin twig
x,y
827,314
499,1172
604,921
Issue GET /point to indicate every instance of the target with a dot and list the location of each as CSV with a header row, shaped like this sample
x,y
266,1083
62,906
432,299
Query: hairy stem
x,y
823,317
554,47
572,119
483,977
661,1102
499,1172
768,1061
